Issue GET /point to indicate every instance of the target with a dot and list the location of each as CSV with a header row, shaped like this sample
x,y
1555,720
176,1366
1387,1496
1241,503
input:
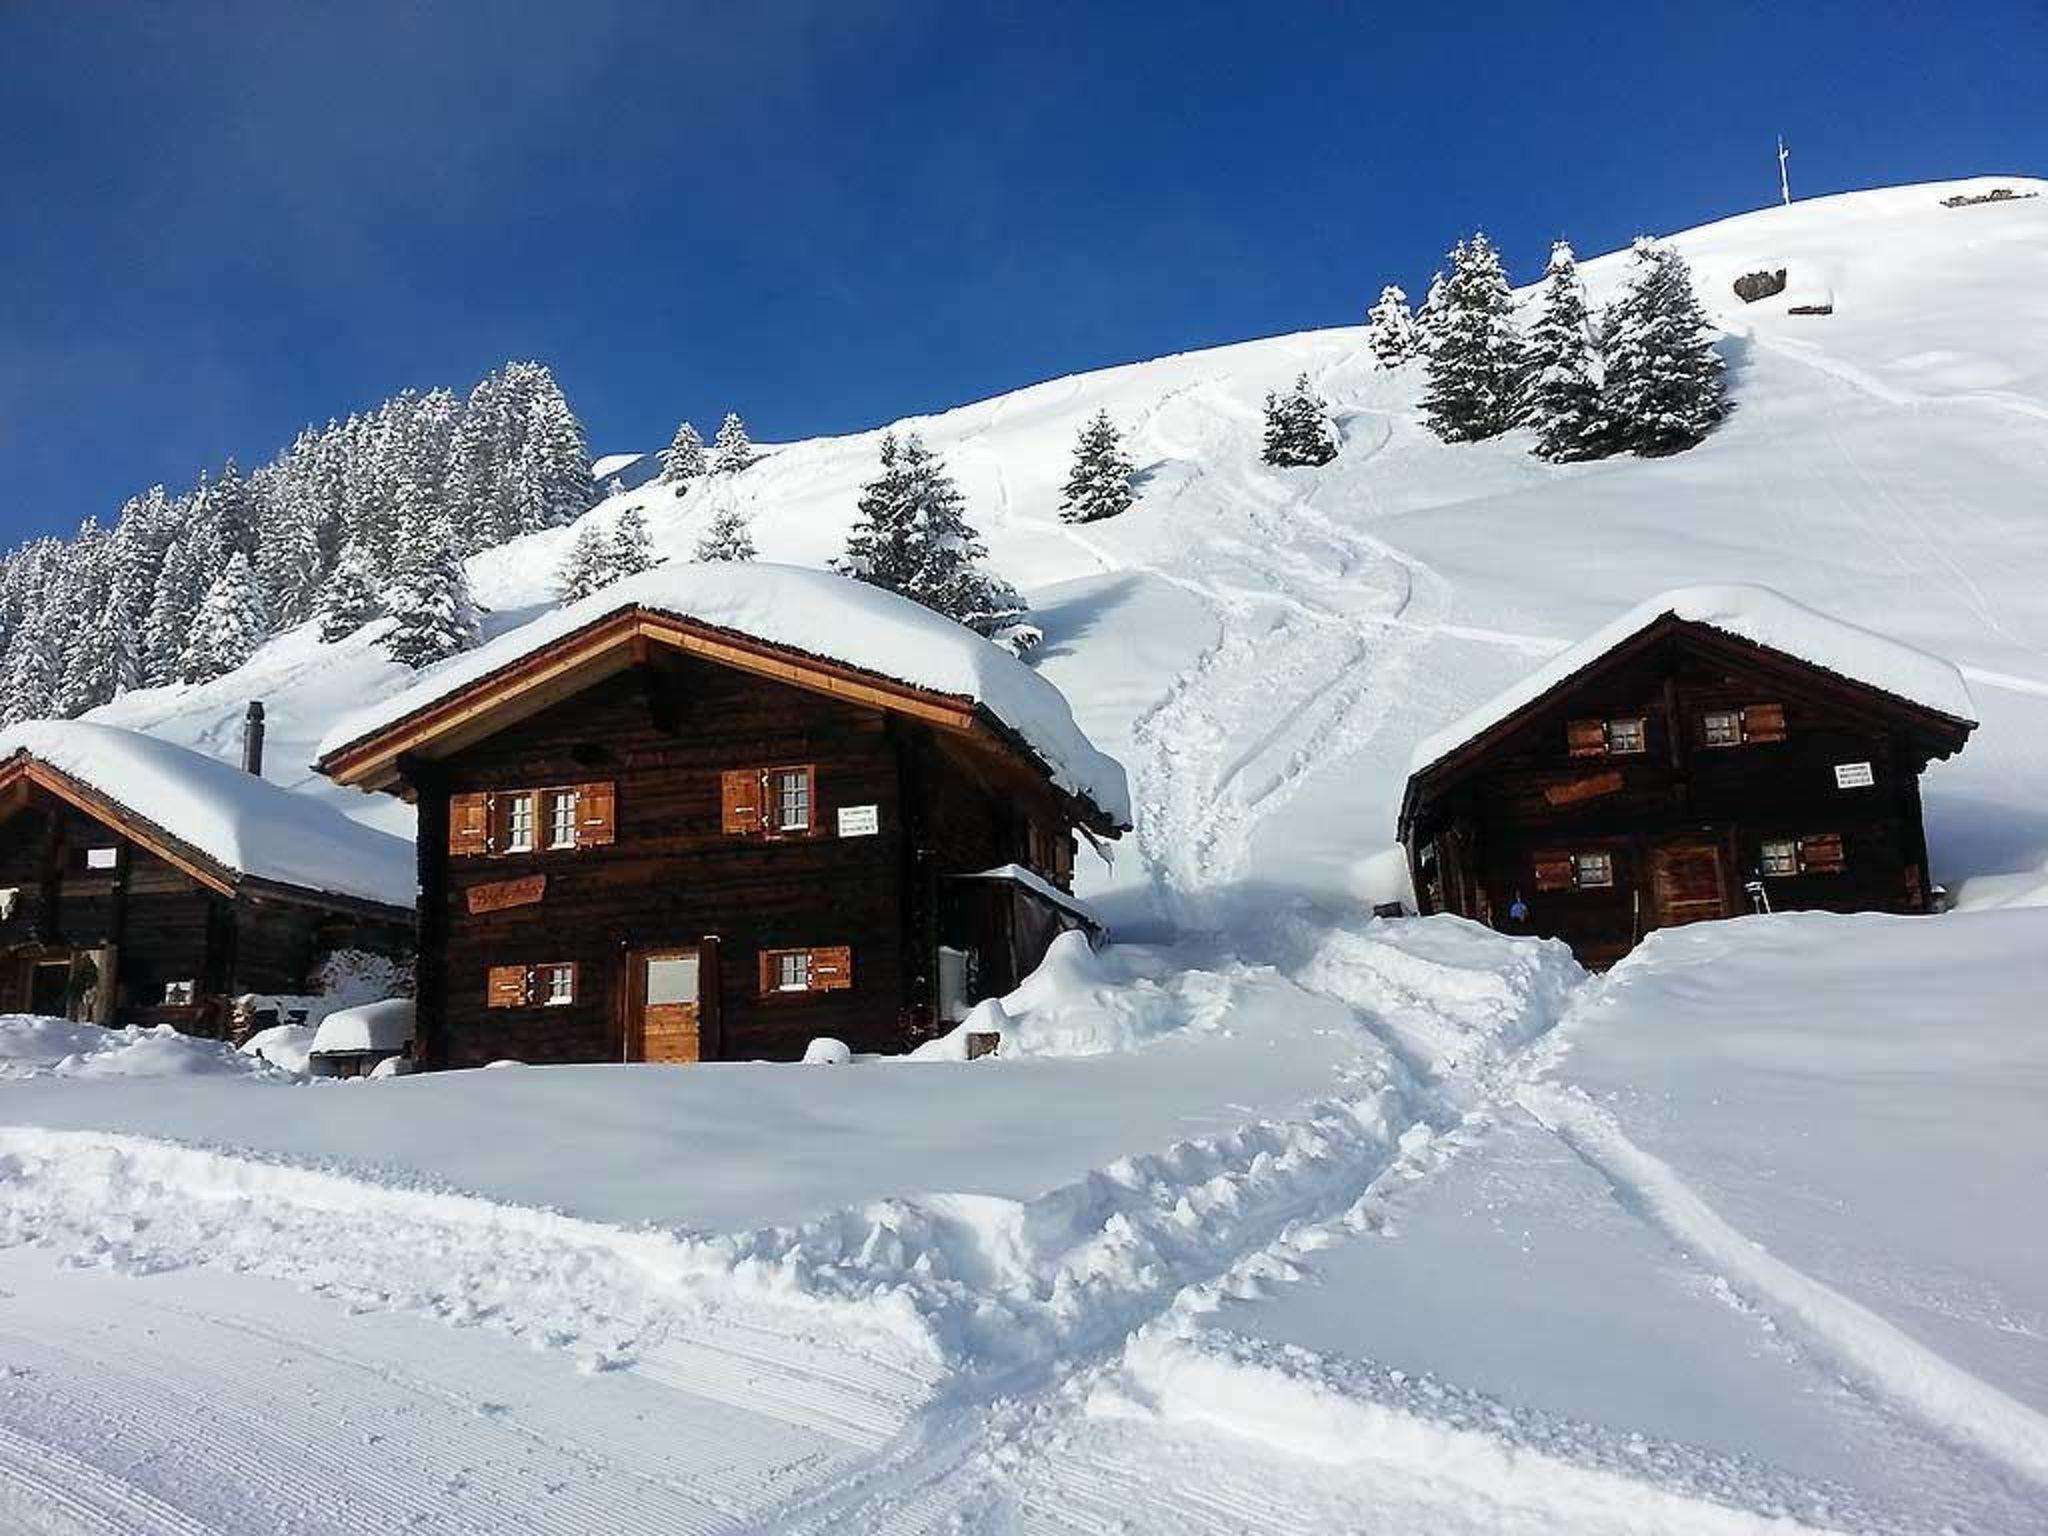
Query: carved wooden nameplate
x,y
1591,787
500,894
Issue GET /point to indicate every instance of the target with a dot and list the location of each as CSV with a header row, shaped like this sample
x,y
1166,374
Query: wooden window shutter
x,y
1821,854
741,797
1763,722
831,969
768,979
596,814
505,986
1586,738
1555,872
469,825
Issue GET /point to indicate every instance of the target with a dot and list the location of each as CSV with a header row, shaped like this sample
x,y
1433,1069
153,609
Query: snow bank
x,y
1455,992
1084,1002
1753,613
285,1046
819,614
379,1026
34,1046
240,821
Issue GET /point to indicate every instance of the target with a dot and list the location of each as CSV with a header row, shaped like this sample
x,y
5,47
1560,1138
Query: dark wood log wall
x,y
664,733
1532,797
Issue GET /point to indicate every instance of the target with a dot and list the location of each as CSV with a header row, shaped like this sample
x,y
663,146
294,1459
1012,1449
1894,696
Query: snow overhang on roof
x,y
225,825
832,633
1757,614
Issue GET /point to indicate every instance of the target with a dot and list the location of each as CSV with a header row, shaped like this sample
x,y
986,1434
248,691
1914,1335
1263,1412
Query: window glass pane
x,y
518,822
793,971
1625,735
672,979
793,799
1722,728
1596,869
562,819
1781,857
561,984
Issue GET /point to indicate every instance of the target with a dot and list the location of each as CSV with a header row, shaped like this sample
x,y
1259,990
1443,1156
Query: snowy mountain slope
x,y
1349,1244
1264,647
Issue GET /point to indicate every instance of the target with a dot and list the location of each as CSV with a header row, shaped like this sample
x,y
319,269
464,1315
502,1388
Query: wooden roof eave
x,y
208,871
576,661
1942,734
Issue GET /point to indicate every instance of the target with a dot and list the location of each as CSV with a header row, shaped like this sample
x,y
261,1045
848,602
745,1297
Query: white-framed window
x,y
1721,728
1627,736
1780,856
518,824
557,985
1593,869
793,971
180,994
561,818
792,799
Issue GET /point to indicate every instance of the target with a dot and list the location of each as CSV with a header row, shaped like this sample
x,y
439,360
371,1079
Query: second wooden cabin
x,y
1717,750
718,811
144,883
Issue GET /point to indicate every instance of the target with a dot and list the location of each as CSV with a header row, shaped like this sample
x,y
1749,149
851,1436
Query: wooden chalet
x,y
1716,751
718,811
142,883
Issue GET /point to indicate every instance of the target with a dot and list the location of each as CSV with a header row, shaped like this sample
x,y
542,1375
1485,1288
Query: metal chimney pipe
x,y
252,739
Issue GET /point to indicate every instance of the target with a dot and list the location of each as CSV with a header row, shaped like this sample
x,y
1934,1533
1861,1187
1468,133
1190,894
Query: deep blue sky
x,y
218,222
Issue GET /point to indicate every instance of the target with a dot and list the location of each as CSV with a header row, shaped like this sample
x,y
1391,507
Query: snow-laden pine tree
x,y
350,598
730,537
588,565
173,602
1298,431
29,689
912,537
731,450
632,549
433,615
228,627
685,460
1426,317
1099,485
1390,329
1561,393
1664,387
1475,355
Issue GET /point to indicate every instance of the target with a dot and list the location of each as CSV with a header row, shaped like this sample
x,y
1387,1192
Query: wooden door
x,y
1687,884
664,994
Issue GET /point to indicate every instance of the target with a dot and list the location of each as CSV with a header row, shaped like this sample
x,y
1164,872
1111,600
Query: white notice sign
x,y
1853,776
859,820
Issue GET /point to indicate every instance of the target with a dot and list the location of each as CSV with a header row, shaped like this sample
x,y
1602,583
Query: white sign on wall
x,y
1853,776
102,858
859,820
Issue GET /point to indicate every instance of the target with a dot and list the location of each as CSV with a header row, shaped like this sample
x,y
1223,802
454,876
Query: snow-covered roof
x,y
240,822
382,1026
1041,887
1758,614
815,613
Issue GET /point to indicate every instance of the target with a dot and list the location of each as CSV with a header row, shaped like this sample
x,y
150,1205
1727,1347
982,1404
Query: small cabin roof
x,y
1760,615
221,825
807,627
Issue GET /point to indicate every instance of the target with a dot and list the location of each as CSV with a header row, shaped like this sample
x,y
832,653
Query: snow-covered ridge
x,y
241,822
819,614
1753,613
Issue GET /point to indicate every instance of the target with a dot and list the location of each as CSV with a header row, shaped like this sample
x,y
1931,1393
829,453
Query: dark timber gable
x,y
1685,775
